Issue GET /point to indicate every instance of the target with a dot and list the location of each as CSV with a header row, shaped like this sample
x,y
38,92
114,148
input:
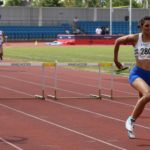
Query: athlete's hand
x,y
118,65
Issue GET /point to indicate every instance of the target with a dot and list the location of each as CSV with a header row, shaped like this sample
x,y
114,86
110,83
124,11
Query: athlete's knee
x,y
140,95
146,92
146,97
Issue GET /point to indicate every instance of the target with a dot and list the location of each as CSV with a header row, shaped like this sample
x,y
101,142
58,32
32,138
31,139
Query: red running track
x,y
70,124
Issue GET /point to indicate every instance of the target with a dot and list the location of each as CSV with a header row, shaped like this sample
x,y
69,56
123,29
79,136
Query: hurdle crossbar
x,y
100,95
70,64
28,64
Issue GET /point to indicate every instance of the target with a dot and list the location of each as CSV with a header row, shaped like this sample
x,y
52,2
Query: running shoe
x,y
131,135
130,126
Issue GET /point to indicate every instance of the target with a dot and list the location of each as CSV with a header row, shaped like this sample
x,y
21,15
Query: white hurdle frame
x,y
71,64
100,95
129,65
25,64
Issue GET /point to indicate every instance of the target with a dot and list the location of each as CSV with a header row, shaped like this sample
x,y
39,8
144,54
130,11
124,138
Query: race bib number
x,y
144,53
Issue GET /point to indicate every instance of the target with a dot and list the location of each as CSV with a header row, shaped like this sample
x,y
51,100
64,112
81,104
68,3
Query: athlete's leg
x,y
144,96
140,95
142,87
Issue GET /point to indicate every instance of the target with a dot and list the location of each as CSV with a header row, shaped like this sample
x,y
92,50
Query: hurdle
x,y
21,65
129,65
113,74
99,86
70,64
100,94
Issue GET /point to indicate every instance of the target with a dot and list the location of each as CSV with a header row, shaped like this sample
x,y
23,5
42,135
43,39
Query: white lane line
x,y
122,103
63,127
69,81
15,91
95,113
9,143
34,83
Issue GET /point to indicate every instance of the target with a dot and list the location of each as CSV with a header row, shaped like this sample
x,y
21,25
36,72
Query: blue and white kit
x,y
138,72
142,52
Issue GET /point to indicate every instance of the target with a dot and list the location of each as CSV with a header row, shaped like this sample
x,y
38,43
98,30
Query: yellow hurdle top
x,y
67,64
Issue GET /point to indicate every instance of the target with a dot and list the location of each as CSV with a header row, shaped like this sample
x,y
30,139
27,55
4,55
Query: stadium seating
x,y
34,32
50,32
118,27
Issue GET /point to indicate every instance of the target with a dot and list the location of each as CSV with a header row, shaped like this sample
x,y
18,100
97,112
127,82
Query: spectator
x,y
2,39
103,31
76,29
107,30
75,20
67,31
98,31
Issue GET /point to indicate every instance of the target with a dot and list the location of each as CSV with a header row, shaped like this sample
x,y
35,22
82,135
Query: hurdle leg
x,y
99,86
42,96
55,85
112,82
99,81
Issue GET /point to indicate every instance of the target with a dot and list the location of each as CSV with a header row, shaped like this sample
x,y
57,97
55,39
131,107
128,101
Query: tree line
x,y
76,3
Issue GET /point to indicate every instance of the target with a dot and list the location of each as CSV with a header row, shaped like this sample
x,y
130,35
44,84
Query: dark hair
x,y
141,22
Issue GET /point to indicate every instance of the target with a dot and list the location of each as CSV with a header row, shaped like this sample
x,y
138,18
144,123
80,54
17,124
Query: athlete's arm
x,y
129,39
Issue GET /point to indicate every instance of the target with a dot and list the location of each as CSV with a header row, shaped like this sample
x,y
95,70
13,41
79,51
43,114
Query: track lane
x,y
98,124
58,126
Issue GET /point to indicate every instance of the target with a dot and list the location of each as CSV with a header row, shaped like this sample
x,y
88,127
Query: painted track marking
x,y
9,143
95,113
63,127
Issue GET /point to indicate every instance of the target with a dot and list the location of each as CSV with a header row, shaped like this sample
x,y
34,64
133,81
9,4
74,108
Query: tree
x,y
78,3
1,3
46,3
13,3
92,3
146,3
69,3
123,3
73,3
81,3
